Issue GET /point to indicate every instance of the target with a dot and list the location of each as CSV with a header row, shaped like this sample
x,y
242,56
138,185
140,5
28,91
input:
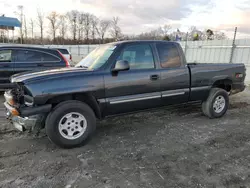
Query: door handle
x,y
154,77
40,65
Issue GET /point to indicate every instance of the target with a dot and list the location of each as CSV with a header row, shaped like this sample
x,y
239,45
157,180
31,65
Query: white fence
x,y
220,51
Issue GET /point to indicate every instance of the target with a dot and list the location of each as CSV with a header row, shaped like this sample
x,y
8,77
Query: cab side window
x,y
139,56
169,55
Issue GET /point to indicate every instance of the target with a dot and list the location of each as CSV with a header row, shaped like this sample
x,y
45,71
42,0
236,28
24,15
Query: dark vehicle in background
x,y
16,59
118,78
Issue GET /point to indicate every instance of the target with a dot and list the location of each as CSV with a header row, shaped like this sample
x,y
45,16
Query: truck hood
x,y
46,74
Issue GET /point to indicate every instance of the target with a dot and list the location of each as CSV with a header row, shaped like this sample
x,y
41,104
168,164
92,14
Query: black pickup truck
x,y
114,79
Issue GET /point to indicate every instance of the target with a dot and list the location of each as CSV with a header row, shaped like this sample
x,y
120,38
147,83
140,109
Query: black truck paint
x,y
110,92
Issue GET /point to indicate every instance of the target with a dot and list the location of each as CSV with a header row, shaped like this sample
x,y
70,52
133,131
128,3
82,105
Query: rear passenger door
x,y
174,74
27,60
6,65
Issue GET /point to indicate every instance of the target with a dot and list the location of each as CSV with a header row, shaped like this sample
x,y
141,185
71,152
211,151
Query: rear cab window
x,y
5,55
169,55
34,56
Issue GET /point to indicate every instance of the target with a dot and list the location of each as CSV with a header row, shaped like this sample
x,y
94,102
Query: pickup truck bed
x,y
209,74
118,78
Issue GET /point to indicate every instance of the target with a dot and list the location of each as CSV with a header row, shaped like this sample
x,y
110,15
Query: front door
x,y
137,88
175,81
6,66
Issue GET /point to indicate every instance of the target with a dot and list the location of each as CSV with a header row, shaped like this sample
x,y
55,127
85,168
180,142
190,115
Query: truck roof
x,y
142,41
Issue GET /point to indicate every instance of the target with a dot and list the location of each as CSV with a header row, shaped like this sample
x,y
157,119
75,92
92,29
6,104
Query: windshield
x,y
97,57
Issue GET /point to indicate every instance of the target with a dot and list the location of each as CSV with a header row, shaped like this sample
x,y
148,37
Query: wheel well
x,y
225,84
84,97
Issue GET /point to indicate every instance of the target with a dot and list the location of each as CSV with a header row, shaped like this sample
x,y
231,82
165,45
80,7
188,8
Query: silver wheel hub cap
x,y
72,125
219,104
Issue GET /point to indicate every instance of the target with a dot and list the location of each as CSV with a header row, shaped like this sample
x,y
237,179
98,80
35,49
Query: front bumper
x,y
24,118
20,123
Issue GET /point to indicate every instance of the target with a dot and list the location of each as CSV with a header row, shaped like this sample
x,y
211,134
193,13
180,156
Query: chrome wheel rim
x,y
219,104
72,125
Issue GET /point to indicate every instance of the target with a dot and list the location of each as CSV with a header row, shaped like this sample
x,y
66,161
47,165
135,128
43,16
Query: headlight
x,y
9,98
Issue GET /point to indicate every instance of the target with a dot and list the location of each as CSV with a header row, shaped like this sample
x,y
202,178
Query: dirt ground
x,y
166,148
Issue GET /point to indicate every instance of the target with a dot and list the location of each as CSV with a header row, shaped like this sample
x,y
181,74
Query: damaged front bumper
x,y
24,118
22,124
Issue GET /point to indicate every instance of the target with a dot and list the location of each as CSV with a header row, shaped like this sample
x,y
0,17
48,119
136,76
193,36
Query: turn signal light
x,y
14,112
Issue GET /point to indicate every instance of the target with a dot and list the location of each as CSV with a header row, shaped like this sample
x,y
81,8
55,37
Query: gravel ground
x,y
166,148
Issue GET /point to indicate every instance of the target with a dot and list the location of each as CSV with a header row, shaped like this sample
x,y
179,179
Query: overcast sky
x,y
142,15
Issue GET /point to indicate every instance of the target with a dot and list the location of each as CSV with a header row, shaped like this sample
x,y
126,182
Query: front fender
x,y
46,89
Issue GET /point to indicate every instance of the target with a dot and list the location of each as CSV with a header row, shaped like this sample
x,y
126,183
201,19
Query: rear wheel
x,y
216,104
70,124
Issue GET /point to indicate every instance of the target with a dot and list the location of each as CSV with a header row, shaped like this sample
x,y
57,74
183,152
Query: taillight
x,y
66,61
239,75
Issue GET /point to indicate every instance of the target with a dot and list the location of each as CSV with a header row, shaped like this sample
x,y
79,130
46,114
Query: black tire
x,y
53,120
207,106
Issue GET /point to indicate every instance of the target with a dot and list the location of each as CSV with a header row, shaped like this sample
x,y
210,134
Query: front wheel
x,y
70,124
216,104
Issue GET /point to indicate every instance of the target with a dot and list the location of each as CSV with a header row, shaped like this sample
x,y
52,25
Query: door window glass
x,y
5,55
138,56
34,56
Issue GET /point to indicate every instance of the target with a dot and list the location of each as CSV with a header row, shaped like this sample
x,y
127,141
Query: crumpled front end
x,y
20,109
13,99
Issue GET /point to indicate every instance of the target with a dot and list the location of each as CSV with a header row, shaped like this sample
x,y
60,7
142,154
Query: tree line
x,y
76,27
73,27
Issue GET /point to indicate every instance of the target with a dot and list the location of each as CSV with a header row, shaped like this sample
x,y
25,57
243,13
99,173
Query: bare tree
x,y
115,29
62,26
87,26
102,28
80,21
53,19
20,15
165,29
40,21
72,17
220,36
25,28
32,27
94,22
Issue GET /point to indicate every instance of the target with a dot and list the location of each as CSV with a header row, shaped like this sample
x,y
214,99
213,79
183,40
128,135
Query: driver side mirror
x,y
121,65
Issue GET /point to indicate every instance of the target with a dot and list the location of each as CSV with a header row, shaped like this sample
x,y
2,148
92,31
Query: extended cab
x,y
118,78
